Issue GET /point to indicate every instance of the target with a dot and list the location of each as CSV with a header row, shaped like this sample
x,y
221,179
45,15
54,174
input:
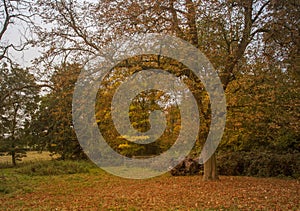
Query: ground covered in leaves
x,y
97,190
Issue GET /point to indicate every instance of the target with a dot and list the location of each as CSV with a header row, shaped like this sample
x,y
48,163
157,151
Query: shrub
x,y
261,164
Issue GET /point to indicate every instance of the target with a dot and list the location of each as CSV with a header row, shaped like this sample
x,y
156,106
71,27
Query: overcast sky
x,y
14,36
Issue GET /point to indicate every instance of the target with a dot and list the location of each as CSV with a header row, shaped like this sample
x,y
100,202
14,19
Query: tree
x,y
282,40
17,108
141,107
262,111
53,125
233,33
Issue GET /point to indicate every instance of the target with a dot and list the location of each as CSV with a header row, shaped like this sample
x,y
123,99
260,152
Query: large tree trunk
x,y
210,169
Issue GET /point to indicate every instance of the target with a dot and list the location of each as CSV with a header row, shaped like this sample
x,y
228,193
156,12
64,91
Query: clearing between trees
x,y
78,185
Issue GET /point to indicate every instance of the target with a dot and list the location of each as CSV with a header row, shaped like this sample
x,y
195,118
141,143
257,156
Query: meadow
x,y
39,183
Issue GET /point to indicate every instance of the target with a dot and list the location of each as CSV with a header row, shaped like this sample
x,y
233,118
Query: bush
x,y
261,164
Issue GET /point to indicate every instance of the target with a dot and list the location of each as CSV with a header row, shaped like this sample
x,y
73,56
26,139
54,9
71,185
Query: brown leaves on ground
x,y
104,192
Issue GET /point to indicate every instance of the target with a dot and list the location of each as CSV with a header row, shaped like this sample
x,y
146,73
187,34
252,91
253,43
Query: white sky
x,y
14,35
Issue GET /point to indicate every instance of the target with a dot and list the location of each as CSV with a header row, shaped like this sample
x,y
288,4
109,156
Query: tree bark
x,y
210,169
13,145
210,166
13,155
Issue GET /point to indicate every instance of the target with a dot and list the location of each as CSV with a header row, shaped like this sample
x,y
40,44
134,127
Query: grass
x,y
55,167
22,178
80,185
31,156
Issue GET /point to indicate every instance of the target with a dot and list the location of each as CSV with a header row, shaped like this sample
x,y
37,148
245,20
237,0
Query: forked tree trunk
x,y
210,169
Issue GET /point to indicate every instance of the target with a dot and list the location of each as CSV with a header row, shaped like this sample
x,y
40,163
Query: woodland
x,y
252,44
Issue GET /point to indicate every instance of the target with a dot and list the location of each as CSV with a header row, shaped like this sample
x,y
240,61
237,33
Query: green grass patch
x,y
25,176
10,182
55,167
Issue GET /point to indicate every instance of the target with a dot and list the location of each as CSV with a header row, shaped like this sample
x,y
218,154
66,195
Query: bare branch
x,y
260,11
14,10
